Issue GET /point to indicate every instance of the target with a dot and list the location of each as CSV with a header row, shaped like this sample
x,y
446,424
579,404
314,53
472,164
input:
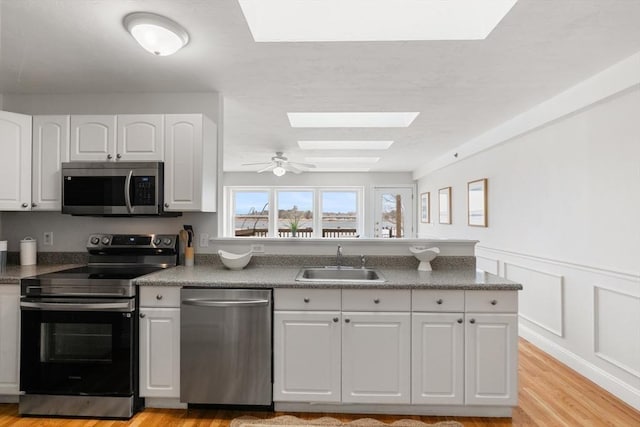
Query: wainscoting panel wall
x,y
586,317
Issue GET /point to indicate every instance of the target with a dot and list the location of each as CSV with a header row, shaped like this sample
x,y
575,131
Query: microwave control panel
x,y
144,191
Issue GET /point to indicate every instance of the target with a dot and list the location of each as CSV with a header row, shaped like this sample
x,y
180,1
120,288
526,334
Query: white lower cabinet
x,y
437,358
9,339
491,364
376,357
159,342
307,356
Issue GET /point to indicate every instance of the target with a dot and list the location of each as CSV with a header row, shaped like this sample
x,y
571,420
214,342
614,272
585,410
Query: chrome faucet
x,y
363,261
339,256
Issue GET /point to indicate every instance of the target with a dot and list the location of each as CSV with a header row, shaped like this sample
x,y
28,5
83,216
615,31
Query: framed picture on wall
x,y
444,205
477,203
425,207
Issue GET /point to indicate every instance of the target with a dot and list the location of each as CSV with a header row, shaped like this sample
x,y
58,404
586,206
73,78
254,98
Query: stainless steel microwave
x,y
113,189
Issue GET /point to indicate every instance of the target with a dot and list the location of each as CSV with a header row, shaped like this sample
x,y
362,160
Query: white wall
x,y
564,220
70,233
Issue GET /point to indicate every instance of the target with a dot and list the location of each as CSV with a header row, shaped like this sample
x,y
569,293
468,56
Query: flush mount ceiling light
x,y
351,120
155,33
372,20
344,145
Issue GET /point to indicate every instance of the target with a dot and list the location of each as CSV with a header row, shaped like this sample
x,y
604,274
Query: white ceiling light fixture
x,y
344,145
279,170
372,20
157,34
352,120
280,165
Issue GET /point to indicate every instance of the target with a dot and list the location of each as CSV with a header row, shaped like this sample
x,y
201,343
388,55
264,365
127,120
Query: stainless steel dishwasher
x,y
225,346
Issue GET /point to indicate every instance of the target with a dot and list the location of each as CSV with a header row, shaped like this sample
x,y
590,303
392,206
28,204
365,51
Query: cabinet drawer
x,y
306,299
376,300
491,301
160,296
437,300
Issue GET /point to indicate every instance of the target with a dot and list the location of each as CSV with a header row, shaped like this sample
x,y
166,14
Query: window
x,y
294,212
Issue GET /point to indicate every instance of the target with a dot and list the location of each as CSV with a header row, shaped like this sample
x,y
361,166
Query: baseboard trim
x,y
622,390
435,410
9,398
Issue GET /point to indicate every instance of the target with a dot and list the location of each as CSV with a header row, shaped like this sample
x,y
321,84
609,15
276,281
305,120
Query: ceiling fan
x,y
280,165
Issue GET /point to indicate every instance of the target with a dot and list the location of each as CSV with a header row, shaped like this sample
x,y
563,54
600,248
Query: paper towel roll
x,y
28,251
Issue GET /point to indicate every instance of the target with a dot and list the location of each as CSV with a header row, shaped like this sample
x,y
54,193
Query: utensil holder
x,y
189,255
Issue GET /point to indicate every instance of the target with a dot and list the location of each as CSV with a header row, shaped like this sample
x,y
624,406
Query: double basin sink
x,y
334,274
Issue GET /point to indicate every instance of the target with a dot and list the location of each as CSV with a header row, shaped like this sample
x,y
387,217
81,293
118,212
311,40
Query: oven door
x,y
82,347
121,189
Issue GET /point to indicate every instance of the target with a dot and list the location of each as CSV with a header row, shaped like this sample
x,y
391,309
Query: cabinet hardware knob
x,y
459,320
118,156
439,301
159,296
376,301
24,205
33,205
472,321
166,205
335,320
347,320
494,302
109,156
142,315
306,300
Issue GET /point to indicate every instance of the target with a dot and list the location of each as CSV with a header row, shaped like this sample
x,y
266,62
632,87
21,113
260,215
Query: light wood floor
x,y
550,395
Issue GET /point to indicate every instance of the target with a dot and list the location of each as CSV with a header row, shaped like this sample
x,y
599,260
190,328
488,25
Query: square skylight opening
x,y
372,20
343,169
352,160
344,145
352,120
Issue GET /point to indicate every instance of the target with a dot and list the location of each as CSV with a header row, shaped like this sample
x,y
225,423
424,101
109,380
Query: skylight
x,y
351,120
372,20
344,145
341,159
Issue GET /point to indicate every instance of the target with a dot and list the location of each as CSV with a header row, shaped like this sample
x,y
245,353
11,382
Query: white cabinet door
x,y
50,149
159,352
376,357
437,358
190,170
491,363
9,339
15,162
93,138
306,359
140,137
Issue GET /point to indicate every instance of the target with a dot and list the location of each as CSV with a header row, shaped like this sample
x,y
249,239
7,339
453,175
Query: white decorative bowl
x,y
235,261
425,256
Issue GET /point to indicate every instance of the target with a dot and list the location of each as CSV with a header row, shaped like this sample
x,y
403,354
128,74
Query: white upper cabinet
x,y
140,137
50,149
190,171
15,161
93,138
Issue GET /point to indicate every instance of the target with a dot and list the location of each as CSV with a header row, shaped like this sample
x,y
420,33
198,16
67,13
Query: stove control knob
x,y
167,241
157,241
95,240
105,240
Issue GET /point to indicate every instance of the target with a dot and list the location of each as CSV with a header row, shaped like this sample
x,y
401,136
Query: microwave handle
x,y
127,187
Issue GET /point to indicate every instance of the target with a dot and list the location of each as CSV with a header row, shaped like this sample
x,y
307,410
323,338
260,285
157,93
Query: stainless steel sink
x,y
339,275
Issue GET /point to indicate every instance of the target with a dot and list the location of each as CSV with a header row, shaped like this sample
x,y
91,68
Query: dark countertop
x,y
214,276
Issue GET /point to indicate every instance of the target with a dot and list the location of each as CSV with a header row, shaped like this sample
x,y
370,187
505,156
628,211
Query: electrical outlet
x,y
257,248
204,240
48,238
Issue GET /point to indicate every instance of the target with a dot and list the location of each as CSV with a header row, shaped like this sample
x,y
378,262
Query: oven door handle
x,y
73,306
127,188
225,303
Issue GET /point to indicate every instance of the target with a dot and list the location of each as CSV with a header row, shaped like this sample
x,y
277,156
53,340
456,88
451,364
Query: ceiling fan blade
x,y
268,168
304,165
293,169
255,164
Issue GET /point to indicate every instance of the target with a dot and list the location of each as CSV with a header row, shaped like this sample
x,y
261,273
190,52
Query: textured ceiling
x,y
461,88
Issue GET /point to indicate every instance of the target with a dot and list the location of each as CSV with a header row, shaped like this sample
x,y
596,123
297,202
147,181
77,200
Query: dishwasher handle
x,y
226,303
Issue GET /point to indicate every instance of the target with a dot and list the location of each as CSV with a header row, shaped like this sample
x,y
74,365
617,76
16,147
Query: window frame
x,y
272,191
